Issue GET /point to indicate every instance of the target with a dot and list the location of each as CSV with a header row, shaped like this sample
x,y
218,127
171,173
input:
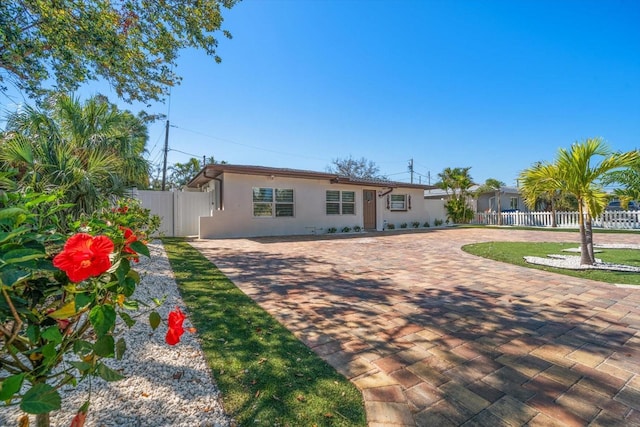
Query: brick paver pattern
x,y
434,336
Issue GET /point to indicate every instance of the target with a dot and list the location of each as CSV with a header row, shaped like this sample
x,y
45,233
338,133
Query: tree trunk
x,y
554,221
498,207
589,234
43,420
585,259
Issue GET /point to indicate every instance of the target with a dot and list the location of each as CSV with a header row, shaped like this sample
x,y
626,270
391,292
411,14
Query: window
x,y
398,202
270,201
514,203
340,202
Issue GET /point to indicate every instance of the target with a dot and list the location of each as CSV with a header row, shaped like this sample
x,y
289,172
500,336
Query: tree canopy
x,y
89,151
355,168
457,183
182,173
133,45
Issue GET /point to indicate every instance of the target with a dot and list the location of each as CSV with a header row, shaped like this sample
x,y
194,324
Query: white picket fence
x,y
609,219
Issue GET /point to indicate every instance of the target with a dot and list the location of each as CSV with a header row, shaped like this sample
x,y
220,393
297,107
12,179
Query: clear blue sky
x,y
495,85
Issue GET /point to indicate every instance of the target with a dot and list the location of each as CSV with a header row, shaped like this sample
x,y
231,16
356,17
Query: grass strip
x,y
513,253
554,229
265,374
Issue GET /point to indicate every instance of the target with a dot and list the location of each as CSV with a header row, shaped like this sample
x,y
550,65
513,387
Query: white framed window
x,y
398,202
514,203
340,202
270,202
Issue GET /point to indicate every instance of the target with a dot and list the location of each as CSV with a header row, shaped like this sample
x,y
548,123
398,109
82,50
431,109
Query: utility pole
x,y
164,163
411,169
429,177
204,161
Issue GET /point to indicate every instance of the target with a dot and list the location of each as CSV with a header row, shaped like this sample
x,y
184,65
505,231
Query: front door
x,y
369,209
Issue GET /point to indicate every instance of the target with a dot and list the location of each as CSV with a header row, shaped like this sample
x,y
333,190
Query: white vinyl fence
x,y
609,219
180,211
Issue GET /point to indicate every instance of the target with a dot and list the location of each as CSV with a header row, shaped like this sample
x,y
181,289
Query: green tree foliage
x,y
90,151
355,168
628,179
578,171
495,186
133,45
457,183
182,173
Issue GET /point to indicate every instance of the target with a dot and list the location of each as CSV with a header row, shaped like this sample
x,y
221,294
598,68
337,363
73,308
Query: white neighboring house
x,y
251,201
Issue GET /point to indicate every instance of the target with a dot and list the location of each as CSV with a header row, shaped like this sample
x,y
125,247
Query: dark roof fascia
x,y
210,172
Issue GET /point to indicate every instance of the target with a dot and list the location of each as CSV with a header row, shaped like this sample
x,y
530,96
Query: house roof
x,y
438,193
210,172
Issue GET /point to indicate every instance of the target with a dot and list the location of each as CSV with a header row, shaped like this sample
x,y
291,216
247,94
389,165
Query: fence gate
x,y
180,211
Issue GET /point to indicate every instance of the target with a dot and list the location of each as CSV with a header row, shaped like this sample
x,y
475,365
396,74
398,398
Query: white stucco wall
x,y
236,218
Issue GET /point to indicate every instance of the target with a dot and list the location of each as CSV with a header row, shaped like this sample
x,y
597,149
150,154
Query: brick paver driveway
x,y
437,337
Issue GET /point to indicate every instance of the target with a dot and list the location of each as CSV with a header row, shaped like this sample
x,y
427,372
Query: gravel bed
x,y
572,262
163,385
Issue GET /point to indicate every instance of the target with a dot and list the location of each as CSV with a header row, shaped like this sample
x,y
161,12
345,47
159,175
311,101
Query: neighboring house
x,y
251,201
510,199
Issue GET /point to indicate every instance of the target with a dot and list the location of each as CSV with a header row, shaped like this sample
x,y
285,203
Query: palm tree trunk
x,y
589,235
554,221
498,207
585,259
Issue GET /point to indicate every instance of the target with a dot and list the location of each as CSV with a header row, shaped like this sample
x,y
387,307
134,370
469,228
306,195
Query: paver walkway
x,y
437,337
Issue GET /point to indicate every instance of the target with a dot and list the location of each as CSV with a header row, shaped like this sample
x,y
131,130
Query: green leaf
x,y
10,386
127,319
130,304
134,275
82,348
128,286
11,213
82,300
11,276
83,367
22,255
6,235
140,248
107,373
33,333
40,399
52,334
154,320
103,319
104,346
123,268
121,347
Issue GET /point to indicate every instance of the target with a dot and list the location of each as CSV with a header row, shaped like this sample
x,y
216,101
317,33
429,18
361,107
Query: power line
x,y
247,145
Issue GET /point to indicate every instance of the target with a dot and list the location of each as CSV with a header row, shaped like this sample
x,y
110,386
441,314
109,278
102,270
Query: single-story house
x,y
251,201
510,199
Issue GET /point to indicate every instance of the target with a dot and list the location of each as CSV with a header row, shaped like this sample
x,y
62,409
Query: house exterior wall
x,y
486,204
234,218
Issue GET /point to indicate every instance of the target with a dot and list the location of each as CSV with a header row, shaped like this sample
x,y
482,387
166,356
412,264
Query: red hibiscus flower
x,y
79,419
176,317
84,256
130,237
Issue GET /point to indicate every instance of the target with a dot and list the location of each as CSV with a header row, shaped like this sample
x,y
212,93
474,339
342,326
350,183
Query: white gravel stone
x,y
572,262
163,386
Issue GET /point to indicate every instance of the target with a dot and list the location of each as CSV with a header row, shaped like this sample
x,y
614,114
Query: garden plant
x,y
62,294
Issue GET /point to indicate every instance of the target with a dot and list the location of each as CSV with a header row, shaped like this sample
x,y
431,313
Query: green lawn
x,y
513,253
265,374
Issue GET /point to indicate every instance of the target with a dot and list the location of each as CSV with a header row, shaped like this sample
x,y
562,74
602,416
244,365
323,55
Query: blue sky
x,y
495,85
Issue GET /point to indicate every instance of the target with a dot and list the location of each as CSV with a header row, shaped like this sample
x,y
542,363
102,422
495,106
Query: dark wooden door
x,y
369,209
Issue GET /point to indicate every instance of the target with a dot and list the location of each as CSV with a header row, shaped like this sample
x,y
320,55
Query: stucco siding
x,y
232,215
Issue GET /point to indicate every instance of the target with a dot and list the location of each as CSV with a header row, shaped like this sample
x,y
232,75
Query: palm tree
x,y
89,150
457,182
492,184
575,172
541,181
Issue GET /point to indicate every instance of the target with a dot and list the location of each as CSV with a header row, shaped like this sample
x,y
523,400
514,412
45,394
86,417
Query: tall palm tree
x,y
578,172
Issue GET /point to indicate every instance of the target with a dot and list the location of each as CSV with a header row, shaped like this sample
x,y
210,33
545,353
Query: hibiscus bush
x,y
62,293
